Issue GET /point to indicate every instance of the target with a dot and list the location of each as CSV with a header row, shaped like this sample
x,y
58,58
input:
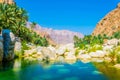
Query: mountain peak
x,y
57,36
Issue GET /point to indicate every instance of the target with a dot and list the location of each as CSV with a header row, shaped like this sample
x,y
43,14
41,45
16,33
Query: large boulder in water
x,y
1,48
8,43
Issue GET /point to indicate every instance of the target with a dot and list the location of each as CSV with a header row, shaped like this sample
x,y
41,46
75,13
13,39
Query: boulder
x,y
81,52
52,49
101,53
84,57
12,37
39,49
8,43
70,57
98,60
60,51
69,46
48,54
108,48
30,52
34,54
97,54
60,59
117,66
69,53
112,42
17,48
107,59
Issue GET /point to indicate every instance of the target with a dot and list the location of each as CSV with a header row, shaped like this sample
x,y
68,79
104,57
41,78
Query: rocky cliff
x,y
7,1
55,36
109,24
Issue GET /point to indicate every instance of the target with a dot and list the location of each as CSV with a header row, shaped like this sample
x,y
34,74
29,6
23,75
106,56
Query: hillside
x,y
7,1
55,36
109,24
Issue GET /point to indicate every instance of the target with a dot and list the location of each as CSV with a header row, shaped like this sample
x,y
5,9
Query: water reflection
x,y
36,70
108,70
4,66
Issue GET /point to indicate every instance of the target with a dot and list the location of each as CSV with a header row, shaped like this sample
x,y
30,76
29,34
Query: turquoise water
x,y
25,70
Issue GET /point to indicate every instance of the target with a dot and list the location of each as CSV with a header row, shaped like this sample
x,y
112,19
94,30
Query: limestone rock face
x,y
1,48
8,43
17,47
109,24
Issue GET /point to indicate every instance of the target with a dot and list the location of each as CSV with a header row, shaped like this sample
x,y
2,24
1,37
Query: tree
x,y
117,35
14,18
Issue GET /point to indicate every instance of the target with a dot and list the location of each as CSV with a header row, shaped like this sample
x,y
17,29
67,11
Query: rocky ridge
x,y
109,24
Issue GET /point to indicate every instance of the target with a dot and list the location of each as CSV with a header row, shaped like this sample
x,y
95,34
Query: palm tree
x,y
12,17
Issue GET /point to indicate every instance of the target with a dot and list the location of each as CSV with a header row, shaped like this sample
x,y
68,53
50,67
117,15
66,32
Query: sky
x,y
74,15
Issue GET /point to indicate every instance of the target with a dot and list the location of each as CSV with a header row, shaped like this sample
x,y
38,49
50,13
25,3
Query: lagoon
x,y
36,70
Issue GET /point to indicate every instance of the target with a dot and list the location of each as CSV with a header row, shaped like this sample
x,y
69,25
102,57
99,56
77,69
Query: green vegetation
x,y
88,40
14,18
93,43
94,48
116,35
115,54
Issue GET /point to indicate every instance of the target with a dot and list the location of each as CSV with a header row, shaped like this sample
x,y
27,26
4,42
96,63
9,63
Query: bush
x,y
88,40
116,35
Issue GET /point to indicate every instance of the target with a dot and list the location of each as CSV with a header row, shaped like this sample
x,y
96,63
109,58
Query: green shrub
x,y
88,40
24,46
94,48
116,35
